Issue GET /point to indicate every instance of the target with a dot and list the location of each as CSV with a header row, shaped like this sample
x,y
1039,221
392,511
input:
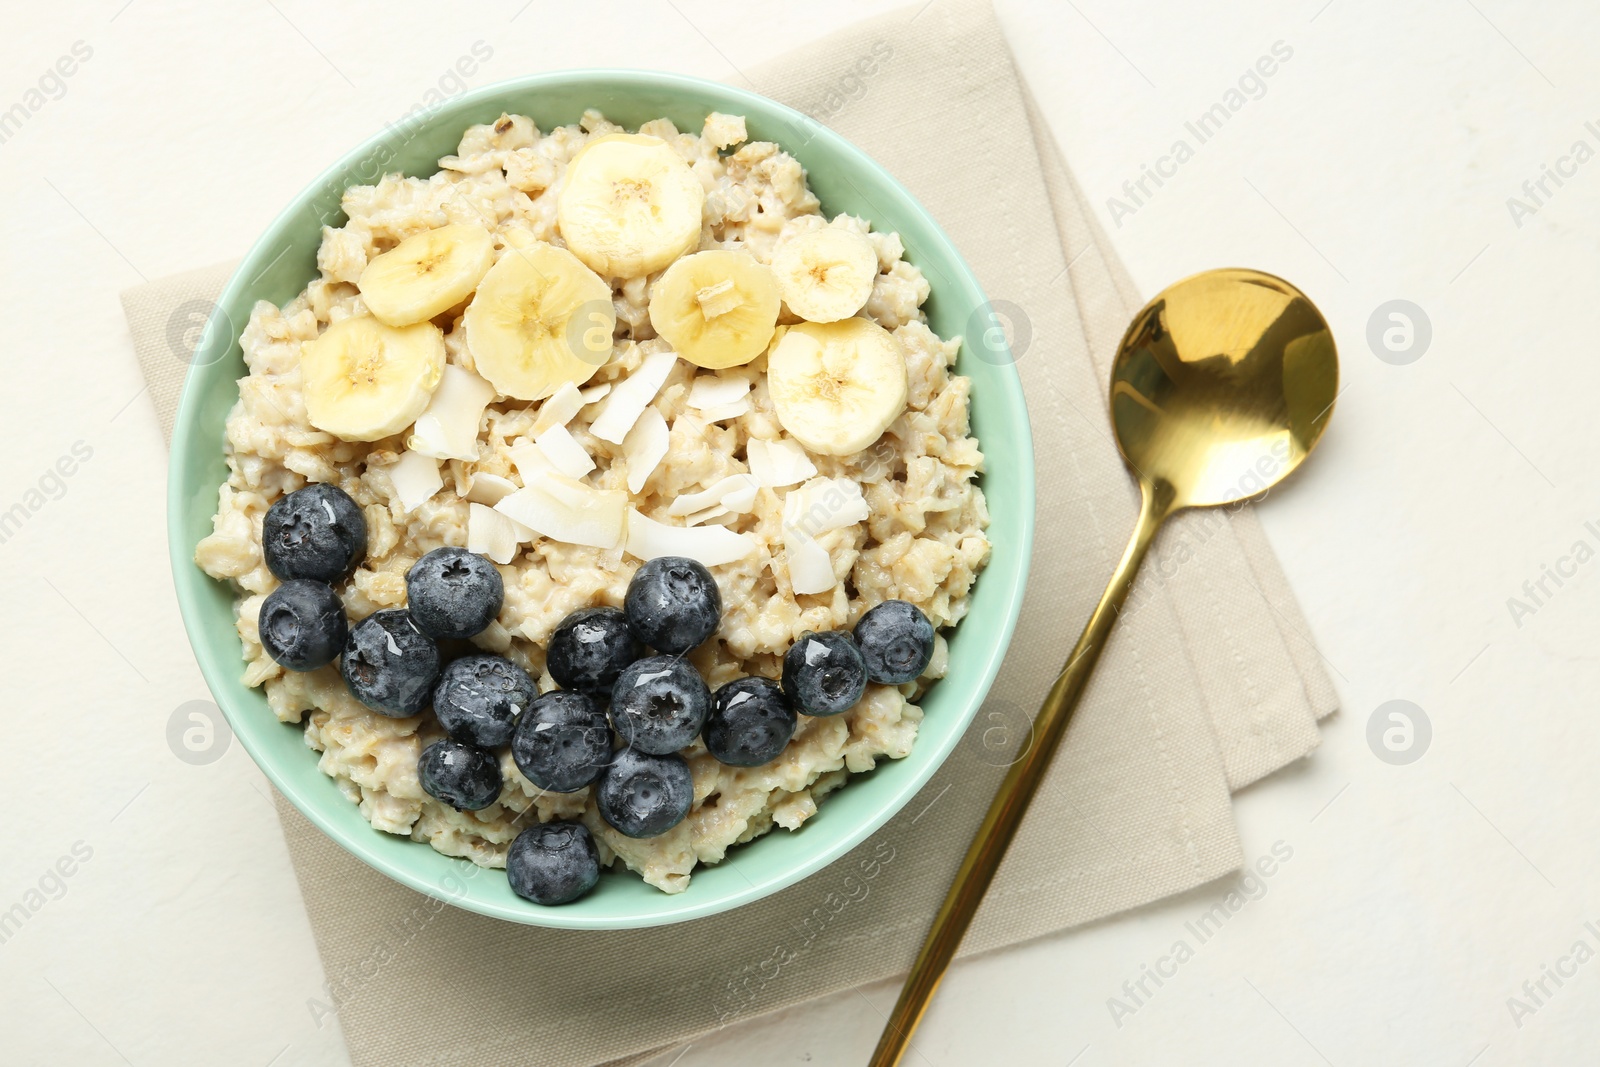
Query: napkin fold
x,y
1209,683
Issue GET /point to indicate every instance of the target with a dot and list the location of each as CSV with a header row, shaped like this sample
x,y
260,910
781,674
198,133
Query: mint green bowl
x,y
284,260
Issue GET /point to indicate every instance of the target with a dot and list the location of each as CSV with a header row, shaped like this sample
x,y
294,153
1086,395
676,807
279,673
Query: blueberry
x,y
390,665
590,648
553,863
454,593
896,641
478,699
659,704
316,532
673,604
463,776
562,741
302,624
750,722
642,795
823,673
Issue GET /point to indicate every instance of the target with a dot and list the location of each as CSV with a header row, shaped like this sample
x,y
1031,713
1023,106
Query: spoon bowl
x,y
1221,387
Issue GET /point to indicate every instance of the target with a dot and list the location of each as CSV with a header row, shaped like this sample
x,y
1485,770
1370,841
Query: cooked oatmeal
x,y
922,539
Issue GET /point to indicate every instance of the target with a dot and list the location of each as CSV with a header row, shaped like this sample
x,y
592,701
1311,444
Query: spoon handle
x,y
1010,803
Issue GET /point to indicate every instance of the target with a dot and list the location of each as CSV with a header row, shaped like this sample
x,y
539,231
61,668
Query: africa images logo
x,y
1251,85
1543,587
1538,991
1251,886
1538,191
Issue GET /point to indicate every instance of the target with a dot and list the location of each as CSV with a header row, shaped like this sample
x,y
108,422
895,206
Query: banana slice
x,y
837,386
630,206
540,320
825,275
716,308
363,380
426,274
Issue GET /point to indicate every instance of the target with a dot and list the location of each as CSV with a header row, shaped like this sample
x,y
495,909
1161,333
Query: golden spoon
x,y
1222,386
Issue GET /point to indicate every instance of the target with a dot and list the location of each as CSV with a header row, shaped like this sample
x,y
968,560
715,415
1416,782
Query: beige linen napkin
x,y
1208,681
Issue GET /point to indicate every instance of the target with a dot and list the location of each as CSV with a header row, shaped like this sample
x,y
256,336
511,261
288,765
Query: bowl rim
x,y
222,678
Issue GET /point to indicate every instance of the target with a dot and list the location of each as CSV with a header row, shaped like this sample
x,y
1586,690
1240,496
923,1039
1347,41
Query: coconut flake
x,y
594,393
824,504
564,452
778,463
725,412
719,299
743,499
530,461
720,399
494,534
645,447
448,429
569,511
810,567
715,513
416,478
711,545
559,408
629,399
490,489
737,486
713,391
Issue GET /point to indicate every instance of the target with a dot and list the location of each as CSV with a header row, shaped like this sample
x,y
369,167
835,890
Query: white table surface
x,y
1376,166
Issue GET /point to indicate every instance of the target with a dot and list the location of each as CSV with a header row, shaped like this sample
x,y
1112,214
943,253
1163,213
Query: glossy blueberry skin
x,y
590,648
478,699
553,863
562,741
317,532
641,795
659,704
896,641
673,604
823,673
454,593
464,776
389,664
302,624
750,722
